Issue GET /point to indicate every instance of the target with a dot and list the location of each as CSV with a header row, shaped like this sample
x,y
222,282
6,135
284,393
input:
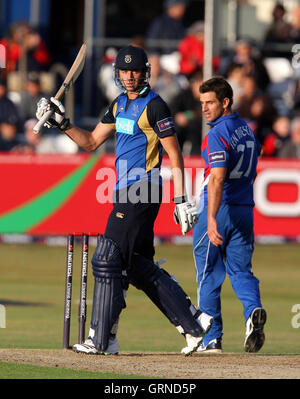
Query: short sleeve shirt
x,y
231,144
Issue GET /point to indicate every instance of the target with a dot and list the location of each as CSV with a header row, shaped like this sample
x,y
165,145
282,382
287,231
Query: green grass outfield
x,y
32,279
25,371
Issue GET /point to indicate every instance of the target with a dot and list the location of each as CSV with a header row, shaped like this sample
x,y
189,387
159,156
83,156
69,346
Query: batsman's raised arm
x,y
89,141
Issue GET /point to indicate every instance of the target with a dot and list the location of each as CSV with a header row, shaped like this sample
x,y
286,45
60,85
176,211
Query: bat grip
x,y
43,120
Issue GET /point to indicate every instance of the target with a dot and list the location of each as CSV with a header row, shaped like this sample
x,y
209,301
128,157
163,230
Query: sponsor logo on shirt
x,y
165,124
124,125
217,156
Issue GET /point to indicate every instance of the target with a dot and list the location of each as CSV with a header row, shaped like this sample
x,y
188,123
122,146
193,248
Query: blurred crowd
x,y
266,88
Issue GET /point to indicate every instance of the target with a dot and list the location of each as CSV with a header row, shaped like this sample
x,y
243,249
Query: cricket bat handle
x,y
43,120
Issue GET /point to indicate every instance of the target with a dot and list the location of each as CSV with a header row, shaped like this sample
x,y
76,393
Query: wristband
x,y
180,199
65,125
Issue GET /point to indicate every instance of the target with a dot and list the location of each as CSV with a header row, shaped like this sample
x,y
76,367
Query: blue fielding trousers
x,y
235,224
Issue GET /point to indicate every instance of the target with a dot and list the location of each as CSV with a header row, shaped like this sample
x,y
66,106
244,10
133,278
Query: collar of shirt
x,y
144,91
234,115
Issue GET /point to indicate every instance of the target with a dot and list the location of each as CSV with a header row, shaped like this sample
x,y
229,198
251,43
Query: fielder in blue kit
x,y
143,126
223,238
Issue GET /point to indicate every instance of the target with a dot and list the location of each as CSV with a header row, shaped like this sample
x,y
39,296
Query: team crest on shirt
x,y
165,124
135,110
217,156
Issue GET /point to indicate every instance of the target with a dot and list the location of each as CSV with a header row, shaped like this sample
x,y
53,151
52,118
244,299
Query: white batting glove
x,y
57,119
185,214
42,107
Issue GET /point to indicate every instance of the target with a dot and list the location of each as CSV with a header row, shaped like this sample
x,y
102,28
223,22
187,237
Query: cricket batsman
x,y
143,126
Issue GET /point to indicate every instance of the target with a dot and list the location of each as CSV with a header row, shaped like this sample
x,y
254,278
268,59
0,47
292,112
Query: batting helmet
x,y
132,58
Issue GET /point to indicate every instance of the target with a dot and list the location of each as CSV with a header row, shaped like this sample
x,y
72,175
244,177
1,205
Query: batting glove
x,y
57,119
185,214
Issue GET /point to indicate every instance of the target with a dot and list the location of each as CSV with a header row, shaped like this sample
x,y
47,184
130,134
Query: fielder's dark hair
x,y
219,86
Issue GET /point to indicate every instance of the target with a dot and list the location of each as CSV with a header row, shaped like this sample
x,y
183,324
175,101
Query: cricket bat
x,y
71,77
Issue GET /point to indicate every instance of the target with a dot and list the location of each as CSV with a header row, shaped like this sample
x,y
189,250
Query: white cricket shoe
x,y
255,336
193,344
89,348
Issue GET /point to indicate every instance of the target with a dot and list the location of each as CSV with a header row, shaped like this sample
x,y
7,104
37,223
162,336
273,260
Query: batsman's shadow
x,y
8,302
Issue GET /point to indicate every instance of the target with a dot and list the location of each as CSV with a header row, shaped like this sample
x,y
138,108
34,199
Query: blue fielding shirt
x,y
231,144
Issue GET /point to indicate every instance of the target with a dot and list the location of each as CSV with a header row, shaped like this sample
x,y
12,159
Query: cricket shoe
x,y
89,348
193,343
214,346
255,336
